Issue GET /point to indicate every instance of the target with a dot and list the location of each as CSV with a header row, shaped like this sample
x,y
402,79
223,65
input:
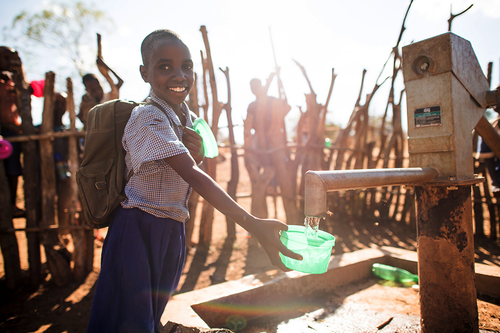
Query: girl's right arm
x,y
265,230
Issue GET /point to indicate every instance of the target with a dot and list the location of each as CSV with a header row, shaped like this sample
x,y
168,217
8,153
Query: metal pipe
x,y
319,183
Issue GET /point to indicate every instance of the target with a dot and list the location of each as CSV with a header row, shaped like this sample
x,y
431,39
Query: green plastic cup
x,y
315,251
210,146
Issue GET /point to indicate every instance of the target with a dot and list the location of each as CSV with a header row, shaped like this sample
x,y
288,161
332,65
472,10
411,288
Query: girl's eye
x,y
164,67
188,67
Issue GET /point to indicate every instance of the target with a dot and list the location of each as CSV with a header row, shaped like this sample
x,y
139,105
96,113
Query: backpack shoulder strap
x,y
151,102
192,115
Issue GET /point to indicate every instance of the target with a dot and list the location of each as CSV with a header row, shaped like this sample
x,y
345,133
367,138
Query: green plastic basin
x,y
315,251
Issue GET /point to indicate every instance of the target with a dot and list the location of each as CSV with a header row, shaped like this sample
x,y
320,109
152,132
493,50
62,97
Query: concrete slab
x,y
275,292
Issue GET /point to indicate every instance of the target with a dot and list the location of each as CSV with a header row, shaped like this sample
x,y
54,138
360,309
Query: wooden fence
x,y
271,161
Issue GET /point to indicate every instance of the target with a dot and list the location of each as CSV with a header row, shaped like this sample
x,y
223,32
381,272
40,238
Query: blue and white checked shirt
x,y
148,139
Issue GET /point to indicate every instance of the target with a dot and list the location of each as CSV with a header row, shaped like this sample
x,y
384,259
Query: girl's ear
x,y
144,73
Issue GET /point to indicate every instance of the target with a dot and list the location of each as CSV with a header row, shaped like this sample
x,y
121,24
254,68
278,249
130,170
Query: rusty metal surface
x,y
447,53
446,259
447,145
445,93
432,144
454,183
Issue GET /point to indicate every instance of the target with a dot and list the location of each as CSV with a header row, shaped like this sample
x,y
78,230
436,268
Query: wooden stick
x,y
360,93
59,267
281,89
47,157
79,239
490,70
233,182
205,86
216,106
303,70
193,201
48,135
99,46
395,70
334,76
73,150
452,16
208,210
31,181
193,97
385,323
324,109
45,228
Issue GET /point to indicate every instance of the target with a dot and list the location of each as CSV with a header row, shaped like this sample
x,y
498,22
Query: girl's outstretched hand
x,y
267,232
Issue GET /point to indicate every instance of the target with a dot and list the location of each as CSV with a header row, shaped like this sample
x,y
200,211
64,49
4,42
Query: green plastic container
x,y
315,251
390,273
210,146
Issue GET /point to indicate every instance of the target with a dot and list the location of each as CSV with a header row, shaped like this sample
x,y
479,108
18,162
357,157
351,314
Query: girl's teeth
x,y
178,89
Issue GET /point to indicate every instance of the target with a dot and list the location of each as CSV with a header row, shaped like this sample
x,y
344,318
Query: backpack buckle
x,y
100,185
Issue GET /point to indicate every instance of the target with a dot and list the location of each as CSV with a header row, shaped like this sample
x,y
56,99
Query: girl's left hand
x,y
194,143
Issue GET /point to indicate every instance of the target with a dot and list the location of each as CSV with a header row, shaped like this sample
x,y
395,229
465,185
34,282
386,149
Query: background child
x,y
485,153
95,93
10,121
144,251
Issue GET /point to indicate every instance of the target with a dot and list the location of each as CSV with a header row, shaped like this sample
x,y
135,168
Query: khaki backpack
x,y
101,177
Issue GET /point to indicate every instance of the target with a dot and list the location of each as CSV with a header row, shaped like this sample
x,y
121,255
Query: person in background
x,y
10,121
491,161
94,91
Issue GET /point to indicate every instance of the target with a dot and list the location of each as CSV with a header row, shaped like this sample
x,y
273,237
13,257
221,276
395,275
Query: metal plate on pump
x,y
428,116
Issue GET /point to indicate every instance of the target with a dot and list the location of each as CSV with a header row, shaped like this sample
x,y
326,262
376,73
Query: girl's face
x,y
170,72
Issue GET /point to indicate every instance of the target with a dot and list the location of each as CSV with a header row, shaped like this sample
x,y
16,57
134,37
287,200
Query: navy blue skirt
x,y
142,261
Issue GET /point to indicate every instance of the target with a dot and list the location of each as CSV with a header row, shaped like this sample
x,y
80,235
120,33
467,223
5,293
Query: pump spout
x,y
319,183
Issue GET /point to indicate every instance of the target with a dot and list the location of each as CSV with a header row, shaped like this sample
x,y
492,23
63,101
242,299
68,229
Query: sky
x,y
347,36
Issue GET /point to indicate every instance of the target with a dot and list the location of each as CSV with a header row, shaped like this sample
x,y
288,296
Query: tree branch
x,y
452,16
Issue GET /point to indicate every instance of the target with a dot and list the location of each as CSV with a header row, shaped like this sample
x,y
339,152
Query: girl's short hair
x,y
150,42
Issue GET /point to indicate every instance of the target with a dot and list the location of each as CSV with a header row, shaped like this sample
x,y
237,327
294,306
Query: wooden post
x,y
342,140
80,241
58,258
235,173
206,222
396,136
8,241
47,157
194,198
99,46
31,180
453,16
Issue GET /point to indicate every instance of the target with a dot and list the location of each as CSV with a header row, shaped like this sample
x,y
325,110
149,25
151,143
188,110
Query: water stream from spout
x,y
312,226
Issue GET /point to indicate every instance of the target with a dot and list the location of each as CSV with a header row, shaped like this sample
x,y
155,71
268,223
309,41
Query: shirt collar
x,y
171,112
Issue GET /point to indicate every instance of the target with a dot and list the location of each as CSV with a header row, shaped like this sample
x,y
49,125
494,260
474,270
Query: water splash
x,y
312,226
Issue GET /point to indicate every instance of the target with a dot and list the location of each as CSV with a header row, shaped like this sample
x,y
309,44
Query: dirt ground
x,y
53,309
